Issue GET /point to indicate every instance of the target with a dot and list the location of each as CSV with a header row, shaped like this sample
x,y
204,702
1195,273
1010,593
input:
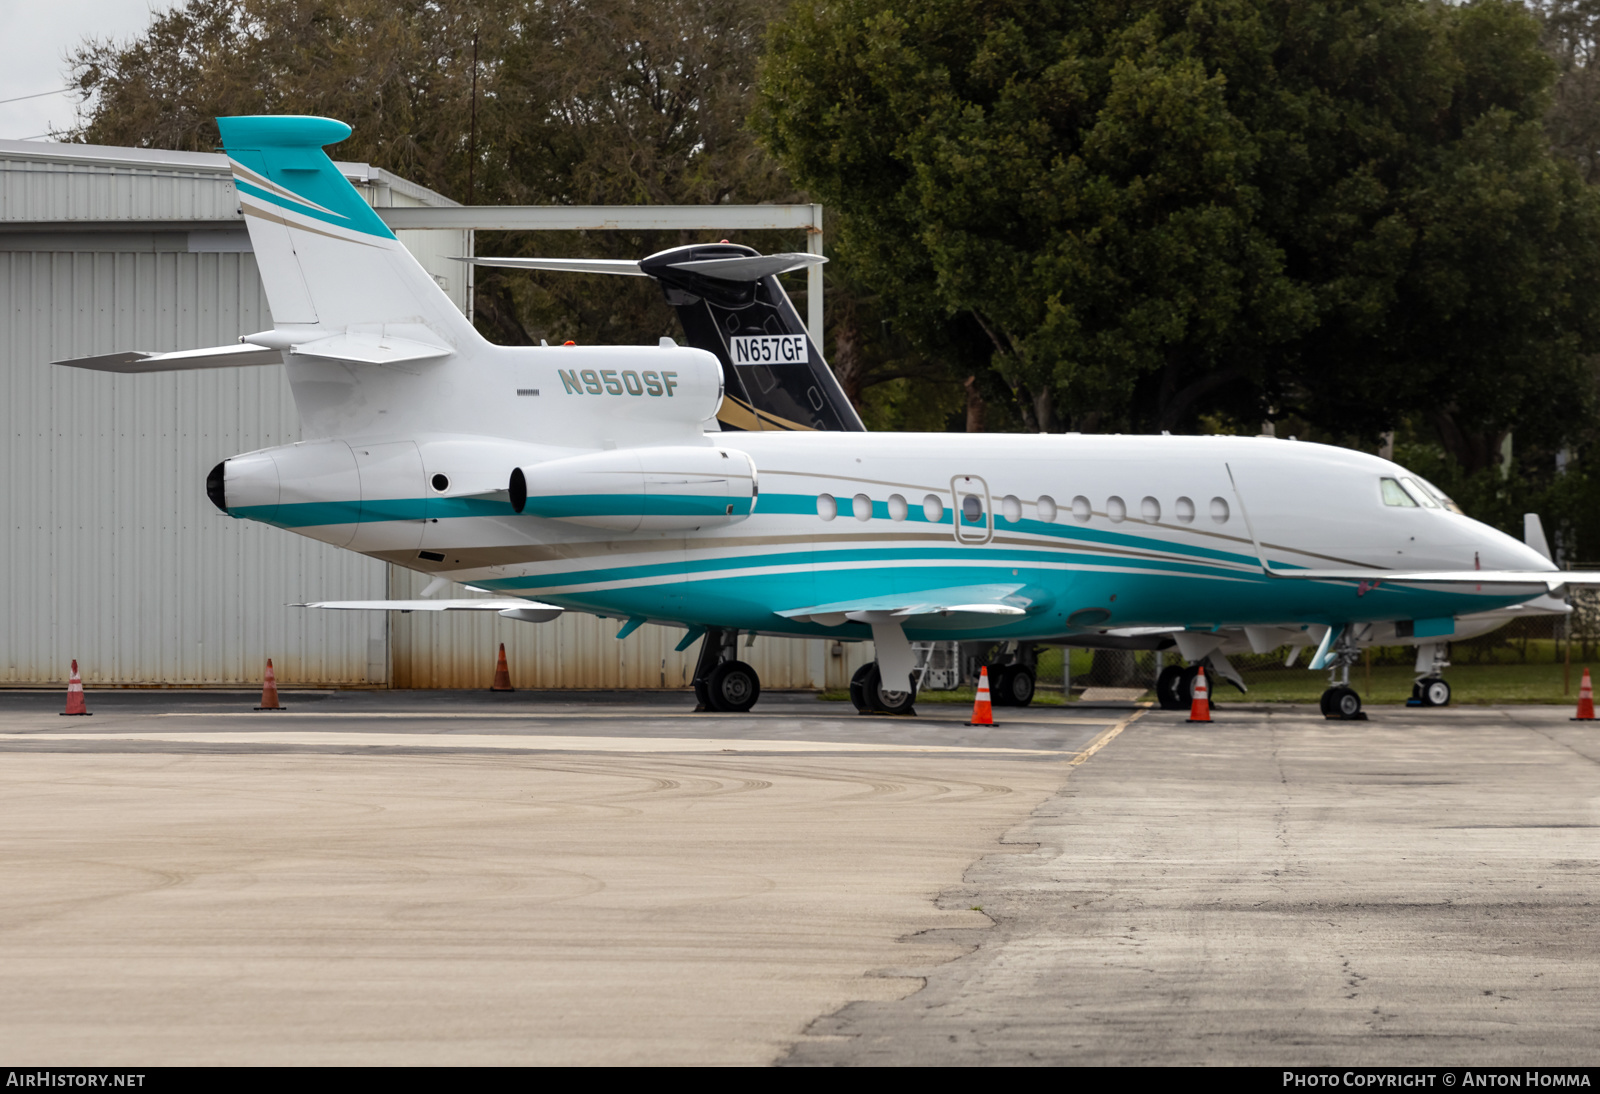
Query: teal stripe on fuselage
x,y
1203,584
993,556
628,505
310,514
749,601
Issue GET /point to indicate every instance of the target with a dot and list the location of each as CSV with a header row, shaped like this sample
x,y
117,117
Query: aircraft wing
x,y
528,611
1550,580
995,602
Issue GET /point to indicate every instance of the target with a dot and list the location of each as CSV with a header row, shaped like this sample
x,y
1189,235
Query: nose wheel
x,y
1341,702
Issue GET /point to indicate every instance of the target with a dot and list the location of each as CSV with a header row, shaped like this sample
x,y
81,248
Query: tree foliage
x,y
1156,209
576,102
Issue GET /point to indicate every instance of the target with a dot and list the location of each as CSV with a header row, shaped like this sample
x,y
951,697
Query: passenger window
x,y
1184,511
1081,510
897,507
1219,510
933,509
1116,509
1047,509
1395,494
1150,509
972,508
861,505
1011,506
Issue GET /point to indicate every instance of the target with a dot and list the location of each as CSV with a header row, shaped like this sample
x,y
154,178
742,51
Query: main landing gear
x,y
871,697
723,683
1340,700
1013,672
1430,689
1175,686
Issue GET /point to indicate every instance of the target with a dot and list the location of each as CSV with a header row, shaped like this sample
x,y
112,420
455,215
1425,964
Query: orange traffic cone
x,y
982,713
1585,698
502,674
1200,707
269,691
76,705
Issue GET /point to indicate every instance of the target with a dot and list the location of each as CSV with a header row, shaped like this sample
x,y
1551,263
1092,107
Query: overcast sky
x,y
34,38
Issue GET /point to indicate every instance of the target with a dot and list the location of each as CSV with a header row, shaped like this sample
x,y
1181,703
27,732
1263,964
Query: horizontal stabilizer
x,y
737,268
626,266
372,349
994,601
749,268
528,611
135,361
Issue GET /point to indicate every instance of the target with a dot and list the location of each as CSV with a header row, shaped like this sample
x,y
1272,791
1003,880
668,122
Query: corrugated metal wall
x,y
113,554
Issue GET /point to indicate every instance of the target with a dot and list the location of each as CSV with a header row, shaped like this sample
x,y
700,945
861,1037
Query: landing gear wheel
x,y
1170,689
999,694
1191,673
880,700
1017,684
858,688
1342,703
1432,692
733,687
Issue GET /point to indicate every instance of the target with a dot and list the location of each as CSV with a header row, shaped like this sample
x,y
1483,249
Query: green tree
x,y
603,101
1158,209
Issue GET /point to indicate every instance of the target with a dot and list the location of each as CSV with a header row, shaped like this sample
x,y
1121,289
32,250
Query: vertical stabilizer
x,y
730,305
326,259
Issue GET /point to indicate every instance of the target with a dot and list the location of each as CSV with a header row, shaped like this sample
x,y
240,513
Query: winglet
x,y
1533,535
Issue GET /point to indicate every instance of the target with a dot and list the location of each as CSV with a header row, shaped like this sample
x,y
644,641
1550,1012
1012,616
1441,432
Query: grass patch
x,y
1392,684
1470,684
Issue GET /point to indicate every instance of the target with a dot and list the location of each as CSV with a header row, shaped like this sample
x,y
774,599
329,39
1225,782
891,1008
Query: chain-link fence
x,y
1538,653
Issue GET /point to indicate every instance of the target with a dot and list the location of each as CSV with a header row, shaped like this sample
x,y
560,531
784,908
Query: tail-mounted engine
x,y
640,489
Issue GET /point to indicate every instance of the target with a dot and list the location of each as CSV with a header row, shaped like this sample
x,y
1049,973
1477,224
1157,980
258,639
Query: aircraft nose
x,y
1497,551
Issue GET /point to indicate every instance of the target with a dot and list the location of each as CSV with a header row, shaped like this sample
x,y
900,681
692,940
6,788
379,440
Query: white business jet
x,y
727,486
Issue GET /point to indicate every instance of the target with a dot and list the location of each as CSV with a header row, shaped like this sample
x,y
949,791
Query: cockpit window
x,y
1419,493
1395,494
1443,498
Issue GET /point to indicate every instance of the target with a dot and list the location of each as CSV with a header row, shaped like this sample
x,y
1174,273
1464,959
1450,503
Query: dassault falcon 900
x,y
728,486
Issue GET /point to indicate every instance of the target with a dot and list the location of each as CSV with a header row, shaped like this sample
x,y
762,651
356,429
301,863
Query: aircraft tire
x,y
998,694
1341,702
1171,690
1434,692
733,687
858,686
1017,683
882,701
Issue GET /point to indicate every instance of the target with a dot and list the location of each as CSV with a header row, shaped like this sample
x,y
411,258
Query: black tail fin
x,y
730,303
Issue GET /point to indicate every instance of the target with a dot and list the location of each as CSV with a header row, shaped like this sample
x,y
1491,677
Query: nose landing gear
x,y
1340,700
